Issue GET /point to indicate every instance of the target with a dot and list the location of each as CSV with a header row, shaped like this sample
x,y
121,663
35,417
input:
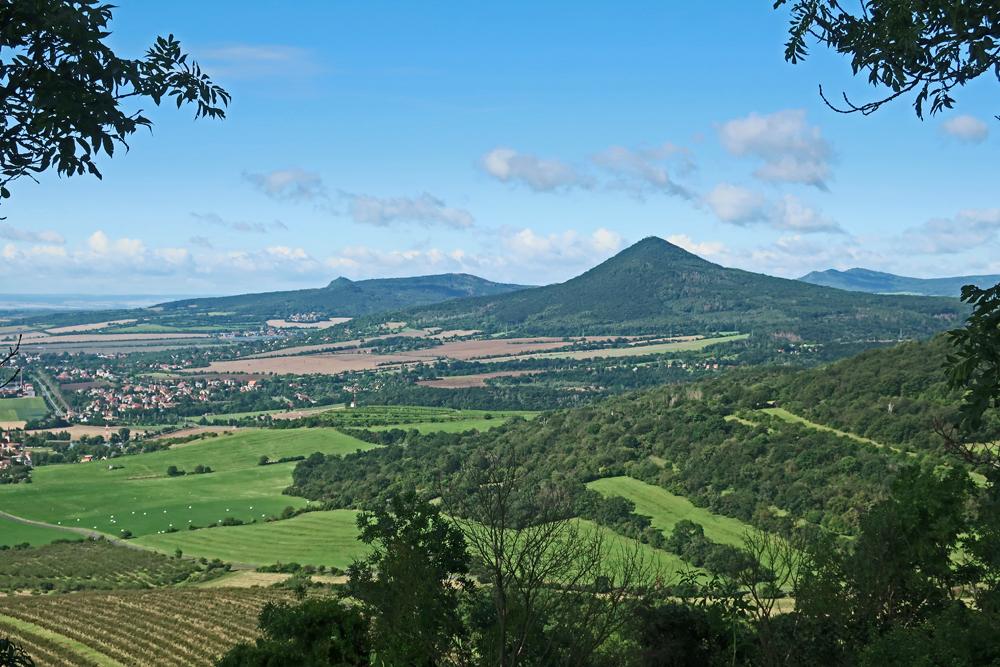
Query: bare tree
x,y
983,455
545,568
773,566
12,352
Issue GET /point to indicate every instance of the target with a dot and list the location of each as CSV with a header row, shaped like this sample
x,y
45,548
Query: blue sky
x,y
519,141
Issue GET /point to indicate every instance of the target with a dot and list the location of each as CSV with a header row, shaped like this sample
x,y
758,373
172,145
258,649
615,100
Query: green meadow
x,y
13,532
140,497
22,409
316,538
665,509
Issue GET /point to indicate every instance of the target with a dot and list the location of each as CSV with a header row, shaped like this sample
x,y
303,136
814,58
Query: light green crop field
x,y
665,509
630,351
22,409
316,538
12,532
141,498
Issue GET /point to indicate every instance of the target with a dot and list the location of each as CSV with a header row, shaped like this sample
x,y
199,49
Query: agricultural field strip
x,y
196,633
153,613
52,648
492,350
630,351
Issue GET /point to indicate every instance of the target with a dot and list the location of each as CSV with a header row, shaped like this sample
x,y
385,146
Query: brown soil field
x,y
323,324
362,359
325,347
466,381
101,338
454,333
80,328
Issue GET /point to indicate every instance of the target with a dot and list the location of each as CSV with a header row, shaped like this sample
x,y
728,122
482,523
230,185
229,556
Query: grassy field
x,y
141,498
665,509
12,532
314,538
22,409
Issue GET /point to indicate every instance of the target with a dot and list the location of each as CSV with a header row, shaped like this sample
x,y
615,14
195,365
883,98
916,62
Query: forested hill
x,y
656,287
734,444
347,298
877,282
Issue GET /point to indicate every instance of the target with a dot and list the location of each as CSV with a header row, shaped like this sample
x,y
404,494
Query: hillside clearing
x,y
666,509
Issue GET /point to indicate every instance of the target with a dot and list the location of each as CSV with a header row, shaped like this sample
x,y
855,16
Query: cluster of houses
x,y
18,389
107,403
12,453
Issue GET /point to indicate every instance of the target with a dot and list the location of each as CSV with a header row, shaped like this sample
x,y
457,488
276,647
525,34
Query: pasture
x,y
14,532
141,498
22,409
315,538
666,509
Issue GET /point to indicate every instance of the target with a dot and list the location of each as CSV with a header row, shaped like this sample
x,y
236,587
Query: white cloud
x,y
966,128
541,175
244,226
526,245
967,230
45,236
118,250
704,249
739,206
791,150
736,205
425,209
288,184
643,171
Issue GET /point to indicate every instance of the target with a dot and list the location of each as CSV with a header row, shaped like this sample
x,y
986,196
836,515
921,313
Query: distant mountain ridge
x,y
878,282
349,298
657,287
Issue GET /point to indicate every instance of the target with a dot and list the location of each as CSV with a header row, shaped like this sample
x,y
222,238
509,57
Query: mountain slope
x,y
656,287
347,298
877,282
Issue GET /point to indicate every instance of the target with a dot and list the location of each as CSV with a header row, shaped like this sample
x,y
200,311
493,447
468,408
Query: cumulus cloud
x,y
790,150
967,230
239,225
424,209
736,205
966,128
288,184
739,206
644,170
705,249
541,175
45,236
526,245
